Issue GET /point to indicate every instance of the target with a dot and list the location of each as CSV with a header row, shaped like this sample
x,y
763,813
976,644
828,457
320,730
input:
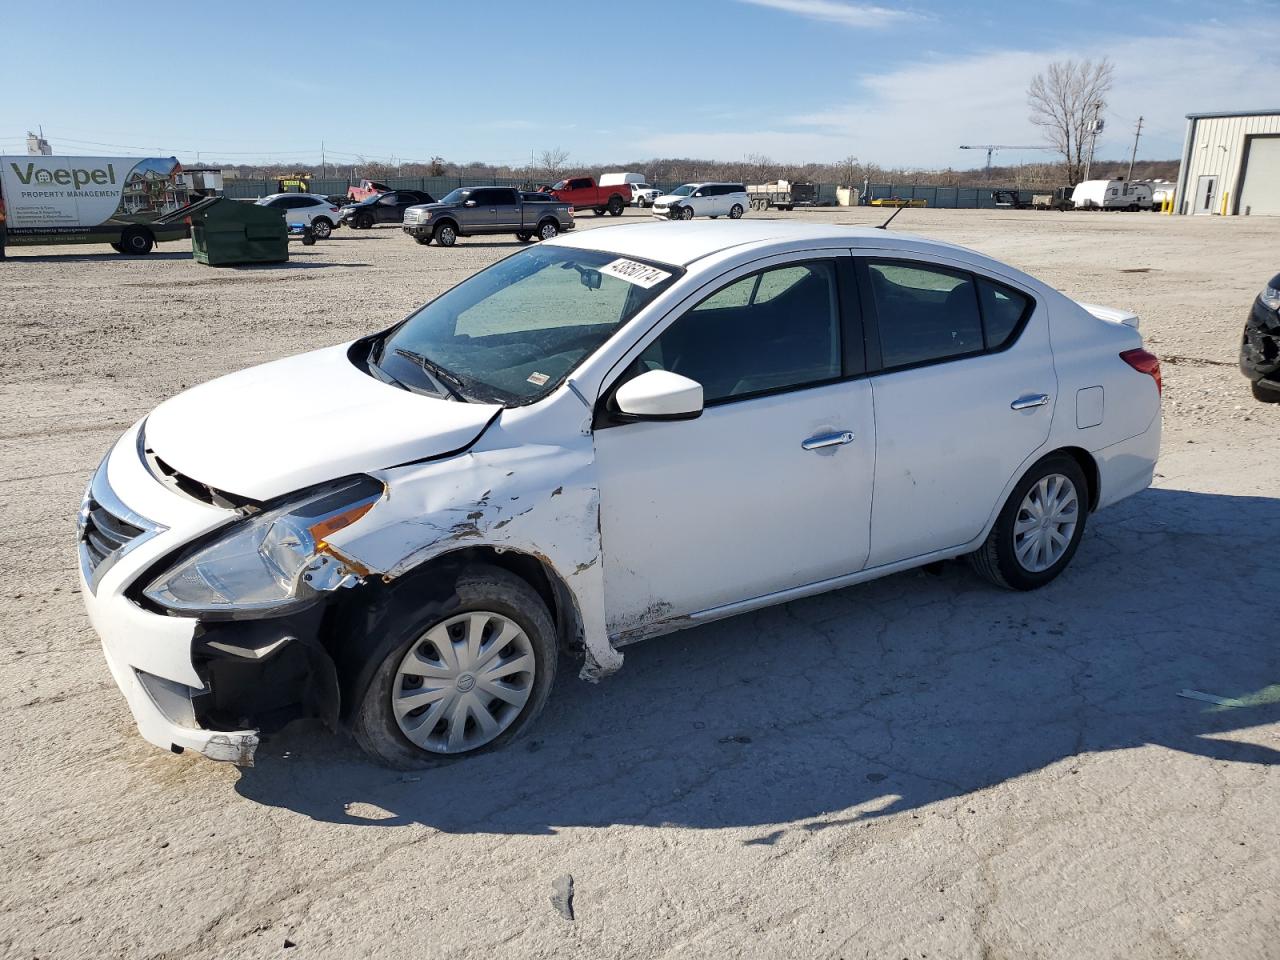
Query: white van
x,y
703,200
1112,195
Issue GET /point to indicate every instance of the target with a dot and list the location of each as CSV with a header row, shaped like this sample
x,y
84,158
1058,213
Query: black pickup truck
x,y
472,211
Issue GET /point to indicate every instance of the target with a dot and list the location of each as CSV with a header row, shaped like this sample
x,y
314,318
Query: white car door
x,y
770,488
964,397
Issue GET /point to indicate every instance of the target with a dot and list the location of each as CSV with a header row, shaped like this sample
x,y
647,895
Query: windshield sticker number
x,y
538,379
641,274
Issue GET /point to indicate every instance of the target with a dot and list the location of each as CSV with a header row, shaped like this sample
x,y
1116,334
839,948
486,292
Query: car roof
x,y
313,196
680,243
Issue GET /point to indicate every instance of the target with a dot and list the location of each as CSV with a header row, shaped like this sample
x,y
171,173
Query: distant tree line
x,y
554,165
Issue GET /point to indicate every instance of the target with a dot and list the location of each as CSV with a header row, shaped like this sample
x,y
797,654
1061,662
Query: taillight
x,y
1144,362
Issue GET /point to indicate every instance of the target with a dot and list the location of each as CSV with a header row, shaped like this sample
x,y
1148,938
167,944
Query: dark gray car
x,y
473,211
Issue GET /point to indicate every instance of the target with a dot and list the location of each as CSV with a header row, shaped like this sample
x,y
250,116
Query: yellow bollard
x,y
1225,195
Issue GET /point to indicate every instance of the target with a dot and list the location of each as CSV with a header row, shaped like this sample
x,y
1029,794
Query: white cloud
x,y
836,11
918,114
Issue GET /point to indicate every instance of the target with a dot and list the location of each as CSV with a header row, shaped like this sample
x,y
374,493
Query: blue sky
x,y
796,80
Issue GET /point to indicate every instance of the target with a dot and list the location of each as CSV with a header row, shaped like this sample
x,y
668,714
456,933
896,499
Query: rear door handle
x,y
1029,400
828,440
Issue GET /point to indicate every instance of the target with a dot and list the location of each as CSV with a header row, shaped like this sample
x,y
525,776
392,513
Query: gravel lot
x,y
919,767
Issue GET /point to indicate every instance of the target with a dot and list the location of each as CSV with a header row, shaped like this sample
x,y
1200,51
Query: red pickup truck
x,y
583,194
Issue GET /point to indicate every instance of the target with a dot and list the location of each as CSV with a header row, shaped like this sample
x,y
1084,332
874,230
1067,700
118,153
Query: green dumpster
x,y
226,231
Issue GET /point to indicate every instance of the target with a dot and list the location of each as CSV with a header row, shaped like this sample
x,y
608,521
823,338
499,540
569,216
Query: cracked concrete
x,y
917,767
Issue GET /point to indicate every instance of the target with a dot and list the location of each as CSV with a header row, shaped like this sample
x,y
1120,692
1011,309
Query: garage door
x,y
1260,192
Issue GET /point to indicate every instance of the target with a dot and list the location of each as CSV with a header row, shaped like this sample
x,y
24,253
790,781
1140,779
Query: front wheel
x,y
446,235
598,211
1263,394
735,212
364,221
321,227
457,676
686,213
524,237
1039,528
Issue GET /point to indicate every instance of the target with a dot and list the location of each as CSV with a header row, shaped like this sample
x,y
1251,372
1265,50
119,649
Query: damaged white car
x,y
596,440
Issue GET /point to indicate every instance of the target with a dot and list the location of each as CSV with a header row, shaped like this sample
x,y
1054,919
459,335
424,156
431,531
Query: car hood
x,y
282,426
672,197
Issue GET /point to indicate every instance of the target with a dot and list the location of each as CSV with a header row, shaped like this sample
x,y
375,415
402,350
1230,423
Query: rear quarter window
x,y
1002,312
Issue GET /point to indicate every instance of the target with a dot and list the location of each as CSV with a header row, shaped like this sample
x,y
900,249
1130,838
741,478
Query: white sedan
x,y
600,439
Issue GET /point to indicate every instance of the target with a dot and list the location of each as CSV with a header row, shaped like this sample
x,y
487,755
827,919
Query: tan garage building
x,y
1231,164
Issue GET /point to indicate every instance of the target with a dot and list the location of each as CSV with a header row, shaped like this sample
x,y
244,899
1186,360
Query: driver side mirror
x,y
659,395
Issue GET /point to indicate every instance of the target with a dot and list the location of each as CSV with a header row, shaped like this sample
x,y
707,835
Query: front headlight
x,y
1271,297
275,560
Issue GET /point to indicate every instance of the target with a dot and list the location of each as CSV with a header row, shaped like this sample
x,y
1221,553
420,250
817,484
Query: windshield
x,y
683,191
561,185
513,332
455,196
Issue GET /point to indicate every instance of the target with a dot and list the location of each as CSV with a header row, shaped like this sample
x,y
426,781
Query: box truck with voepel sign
x,y
117,200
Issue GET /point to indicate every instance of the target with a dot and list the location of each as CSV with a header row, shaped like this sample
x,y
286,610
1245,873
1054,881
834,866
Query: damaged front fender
x,y
542,500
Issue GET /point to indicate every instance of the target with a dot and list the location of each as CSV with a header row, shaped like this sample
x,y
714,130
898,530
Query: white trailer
x,y
618,179
1111,195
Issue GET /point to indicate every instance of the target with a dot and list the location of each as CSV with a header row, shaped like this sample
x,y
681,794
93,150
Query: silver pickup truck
x,y
471,211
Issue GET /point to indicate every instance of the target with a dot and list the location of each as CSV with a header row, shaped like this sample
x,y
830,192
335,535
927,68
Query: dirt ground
x,y
919,767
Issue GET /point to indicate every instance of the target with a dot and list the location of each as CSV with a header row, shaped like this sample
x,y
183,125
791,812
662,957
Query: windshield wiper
x,y
449,381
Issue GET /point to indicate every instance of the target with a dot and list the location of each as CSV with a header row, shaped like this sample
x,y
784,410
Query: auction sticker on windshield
x,y
641,274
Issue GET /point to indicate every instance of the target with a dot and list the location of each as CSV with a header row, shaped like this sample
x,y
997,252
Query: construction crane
x,y
993,147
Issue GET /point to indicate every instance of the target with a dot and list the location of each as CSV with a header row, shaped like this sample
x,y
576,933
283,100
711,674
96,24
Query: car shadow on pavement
x,y
873,700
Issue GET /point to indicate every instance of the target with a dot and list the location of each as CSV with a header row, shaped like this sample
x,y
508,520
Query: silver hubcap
x,y
736,212
548,231
463,683
446,235
1046,522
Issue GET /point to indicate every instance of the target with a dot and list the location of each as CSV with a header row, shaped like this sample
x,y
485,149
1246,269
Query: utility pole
x,y
1134,156
322,170
1093,135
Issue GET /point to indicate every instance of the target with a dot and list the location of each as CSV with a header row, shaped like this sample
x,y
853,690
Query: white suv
x,y
703,200
306,208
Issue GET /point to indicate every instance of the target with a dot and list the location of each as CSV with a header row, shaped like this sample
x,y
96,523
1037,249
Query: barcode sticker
x,y
641,274
538,379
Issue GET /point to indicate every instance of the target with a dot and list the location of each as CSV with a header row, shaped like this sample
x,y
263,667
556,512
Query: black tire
x,y
445,234
423,240
524,237
615,206
363,222
997,561
548,229
598,211
686,213
735,212
402,624
1264,394
117,247
136,242
322,227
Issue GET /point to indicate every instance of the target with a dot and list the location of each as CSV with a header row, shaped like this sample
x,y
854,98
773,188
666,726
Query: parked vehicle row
x,y
386,207
308,209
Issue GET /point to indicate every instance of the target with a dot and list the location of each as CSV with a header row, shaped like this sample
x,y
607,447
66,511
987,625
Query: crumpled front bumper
x,y
1260,347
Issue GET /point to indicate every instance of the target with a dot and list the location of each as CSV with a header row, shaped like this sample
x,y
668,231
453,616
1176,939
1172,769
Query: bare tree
x,y
551,162
1066,102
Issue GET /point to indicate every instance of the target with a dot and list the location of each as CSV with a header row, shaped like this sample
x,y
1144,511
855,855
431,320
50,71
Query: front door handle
x,y
1029,400
828,440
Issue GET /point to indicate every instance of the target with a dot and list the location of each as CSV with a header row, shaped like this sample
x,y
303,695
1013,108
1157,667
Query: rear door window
x,y
925,313
1002,312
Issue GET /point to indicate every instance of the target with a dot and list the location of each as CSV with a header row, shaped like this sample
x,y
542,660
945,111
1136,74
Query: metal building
x,y
1231,164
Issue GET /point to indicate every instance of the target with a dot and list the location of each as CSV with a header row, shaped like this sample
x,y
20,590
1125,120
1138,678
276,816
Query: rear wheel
x,y
735,212
446,234
322,227
457,676
615,206
136,241
1266,395
1039,528
548,229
